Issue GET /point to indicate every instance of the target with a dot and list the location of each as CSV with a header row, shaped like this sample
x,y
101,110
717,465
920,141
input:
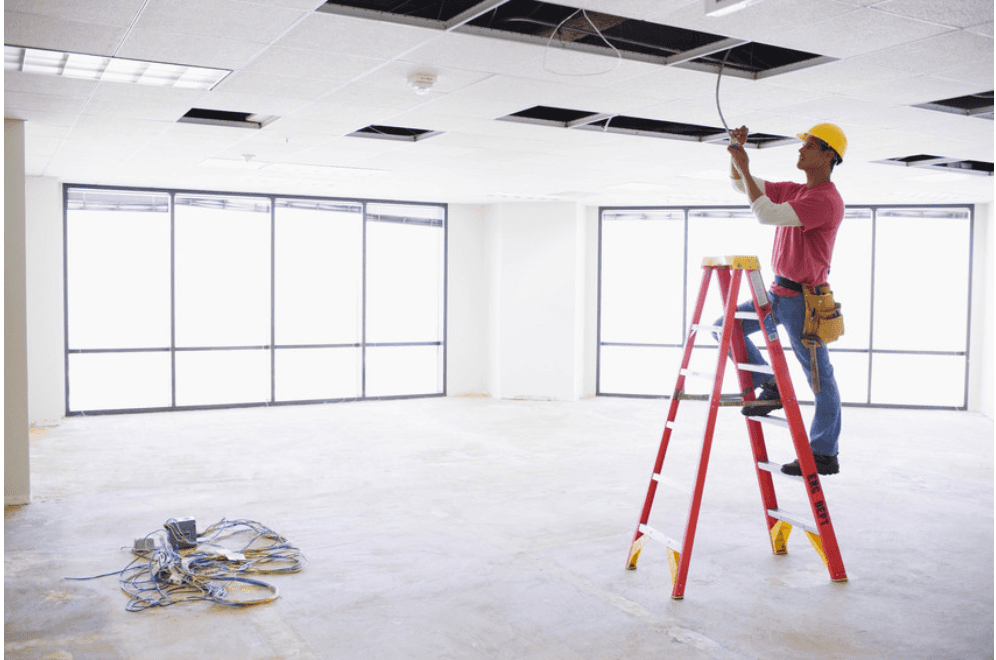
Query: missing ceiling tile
x,y
225,118
398,133
973,105
611,123
560,26
941,163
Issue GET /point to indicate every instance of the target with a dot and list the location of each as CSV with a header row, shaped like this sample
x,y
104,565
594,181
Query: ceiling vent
x,y
558,26
974,105
940,163
611,123
398,133
225,118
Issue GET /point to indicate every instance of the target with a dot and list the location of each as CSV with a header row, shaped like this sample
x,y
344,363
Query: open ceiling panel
x,y
560,26
616,123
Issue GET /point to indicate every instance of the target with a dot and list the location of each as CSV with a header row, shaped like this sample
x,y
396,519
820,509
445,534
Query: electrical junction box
x,y
182,532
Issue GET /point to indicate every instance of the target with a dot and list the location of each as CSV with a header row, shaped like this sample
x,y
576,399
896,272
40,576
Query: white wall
x,y
980,398
16,454
467,305
46,307
538,295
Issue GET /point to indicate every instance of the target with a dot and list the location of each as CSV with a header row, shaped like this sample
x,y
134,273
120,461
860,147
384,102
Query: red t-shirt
x,y
803,253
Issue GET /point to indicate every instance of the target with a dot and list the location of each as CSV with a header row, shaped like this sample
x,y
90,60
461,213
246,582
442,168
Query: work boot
x,y
769,393
824,465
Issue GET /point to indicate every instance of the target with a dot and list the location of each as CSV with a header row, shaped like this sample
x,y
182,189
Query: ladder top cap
x,y
738,262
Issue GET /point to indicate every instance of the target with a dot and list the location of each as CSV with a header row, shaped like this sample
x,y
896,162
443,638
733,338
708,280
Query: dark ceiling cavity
x,y
613,123
224,118
974,105
561,26
927,161
394,133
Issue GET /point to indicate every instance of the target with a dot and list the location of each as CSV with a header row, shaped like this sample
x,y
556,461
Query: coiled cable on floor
x,y
214,570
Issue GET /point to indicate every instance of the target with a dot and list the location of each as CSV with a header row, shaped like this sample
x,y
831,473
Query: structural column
x,y
16,467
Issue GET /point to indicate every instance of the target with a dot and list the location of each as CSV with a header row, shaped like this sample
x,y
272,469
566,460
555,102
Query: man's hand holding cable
x,y
740,163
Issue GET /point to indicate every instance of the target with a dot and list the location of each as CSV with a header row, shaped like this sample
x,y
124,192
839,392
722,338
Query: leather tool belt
x,y
824,322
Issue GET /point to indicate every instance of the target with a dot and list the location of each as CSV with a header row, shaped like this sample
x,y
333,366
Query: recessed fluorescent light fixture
x,y
317,171
109,69
232,164
724,7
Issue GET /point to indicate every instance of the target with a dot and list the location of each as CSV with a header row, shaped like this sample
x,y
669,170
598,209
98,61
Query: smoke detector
x,y
422,82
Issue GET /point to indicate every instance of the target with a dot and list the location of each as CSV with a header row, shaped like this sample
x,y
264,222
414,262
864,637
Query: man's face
x,y
812,156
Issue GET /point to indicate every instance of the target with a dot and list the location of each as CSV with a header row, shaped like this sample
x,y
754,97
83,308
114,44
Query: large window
x,y
901,274
189,300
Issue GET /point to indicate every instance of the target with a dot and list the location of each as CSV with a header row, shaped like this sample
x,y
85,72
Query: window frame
x,y
274,201
870,351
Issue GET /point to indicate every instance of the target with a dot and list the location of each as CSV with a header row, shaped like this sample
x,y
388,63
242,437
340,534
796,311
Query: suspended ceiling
x,y
318,79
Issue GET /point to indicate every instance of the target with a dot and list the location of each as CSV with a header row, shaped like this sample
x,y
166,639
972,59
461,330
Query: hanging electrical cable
x,y
556,30
719,109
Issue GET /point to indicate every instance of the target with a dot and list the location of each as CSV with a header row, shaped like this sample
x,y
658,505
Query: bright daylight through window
x,y
650,273
190,300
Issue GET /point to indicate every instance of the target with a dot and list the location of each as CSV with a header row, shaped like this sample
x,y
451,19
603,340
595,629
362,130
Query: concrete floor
x,y
473,528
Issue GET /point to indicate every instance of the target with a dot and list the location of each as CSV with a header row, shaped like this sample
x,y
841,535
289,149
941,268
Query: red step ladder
x,y
729,272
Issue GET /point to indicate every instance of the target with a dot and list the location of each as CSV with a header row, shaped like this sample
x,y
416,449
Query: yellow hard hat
x,y
831,134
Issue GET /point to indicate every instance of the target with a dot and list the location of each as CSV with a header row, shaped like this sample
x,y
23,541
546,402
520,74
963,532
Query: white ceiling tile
x,y
264,84
394,75
952,13
758,22
472,53
914,90
644,10
256,103
939,53
978,74
52,33
985,29
356,70
107,12
212,18
840,76
217,52
364,38
856,32
18,81
140,101
314,64
14,102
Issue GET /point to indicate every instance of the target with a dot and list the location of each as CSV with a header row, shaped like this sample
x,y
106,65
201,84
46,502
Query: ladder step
x,y
776,468
660,537
750,316
724,399
696,327
768,419
794,520
698,374
759,368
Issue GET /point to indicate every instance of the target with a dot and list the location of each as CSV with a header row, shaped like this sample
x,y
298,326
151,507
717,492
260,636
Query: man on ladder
x,y
806,217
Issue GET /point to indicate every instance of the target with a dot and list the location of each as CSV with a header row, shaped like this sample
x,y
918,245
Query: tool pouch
x,y
823,324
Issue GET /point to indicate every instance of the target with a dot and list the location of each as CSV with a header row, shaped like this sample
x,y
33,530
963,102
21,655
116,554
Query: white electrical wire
x,y
718,108
599,32
215,570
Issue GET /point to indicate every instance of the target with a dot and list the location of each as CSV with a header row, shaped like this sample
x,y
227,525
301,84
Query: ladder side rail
x,y
769,499
800,440
730,303
637,544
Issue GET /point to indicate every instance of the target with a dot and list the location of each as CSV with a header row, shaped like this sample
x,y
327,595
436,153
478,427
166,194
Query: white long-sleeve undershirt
x,y
766,211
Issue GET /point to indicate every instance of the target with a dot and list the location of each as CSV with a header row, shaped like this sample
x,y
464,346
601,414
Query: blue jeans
x,y
791,312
